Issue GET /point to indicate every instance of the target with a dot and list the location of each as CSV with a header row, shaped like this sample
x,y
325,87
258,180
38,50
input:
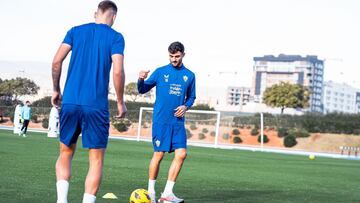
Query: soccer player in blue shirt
x,y
25,117
175,93
95,47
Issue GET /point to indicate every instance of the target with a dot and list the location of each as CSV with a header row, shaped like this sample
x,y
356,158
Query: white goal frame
x,y
217,126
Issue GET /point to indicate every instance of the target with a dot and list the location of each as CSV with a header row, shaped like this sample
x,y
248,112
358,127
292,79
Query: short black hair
x,y
27,102
106,5
175,47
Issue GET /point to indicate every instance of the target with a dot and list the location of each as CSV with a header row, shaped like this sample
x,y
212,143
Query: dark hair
x,y
105,5
27,102
175,47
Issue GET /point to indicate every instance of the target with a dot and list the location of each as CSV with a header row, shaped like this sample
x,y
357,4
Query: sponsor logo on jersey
x,y
185,78
175,89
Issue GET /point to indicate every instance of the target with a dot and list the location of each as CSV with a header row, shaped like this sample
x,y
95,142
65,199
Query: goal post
x,y
207,120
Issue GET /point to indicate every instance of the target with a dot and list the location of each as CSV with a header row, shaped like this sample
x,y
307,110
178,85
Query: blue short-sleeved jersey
x,y
174,87
87,80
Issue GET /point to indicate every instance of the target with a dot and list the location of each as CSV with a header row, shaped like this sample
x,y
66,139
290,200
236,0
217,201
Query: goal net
x,y
201,126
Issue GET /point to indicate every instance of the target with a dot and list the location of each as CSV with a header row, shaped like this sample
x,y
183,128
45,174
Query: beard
x,y
176,63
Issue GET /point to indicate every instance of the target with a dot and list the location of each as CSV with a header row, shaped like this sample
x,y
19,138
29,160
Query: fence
x,y
224,129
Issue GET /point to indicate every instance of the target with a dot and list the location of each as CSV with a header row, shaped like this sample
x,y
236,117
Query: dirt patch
x,y
327,142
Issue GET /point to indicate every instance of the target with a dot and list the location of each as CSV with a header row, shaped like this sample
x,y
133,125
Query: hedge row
x,y
312,123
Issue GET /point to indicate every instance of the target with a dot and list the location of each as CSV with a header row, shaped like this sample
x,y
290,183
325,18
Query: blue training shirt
x,y
26,112
174,87
92,46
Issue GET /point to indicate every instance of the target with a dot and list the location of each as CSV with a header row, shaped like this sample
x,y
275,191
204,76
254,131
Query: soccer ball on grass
x,y
140,196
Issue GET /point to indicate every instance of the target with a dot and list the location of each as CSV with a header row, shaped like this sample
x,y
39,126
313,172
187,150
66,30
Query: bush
x,y
213,133
133,110
356,132
226,136
283,132
201,136
205,130
266,139
34,118
188,134
271,128
193,127
290,141
299,133
45,122
145,125
235,131
254,132
11,116
121,125
237,139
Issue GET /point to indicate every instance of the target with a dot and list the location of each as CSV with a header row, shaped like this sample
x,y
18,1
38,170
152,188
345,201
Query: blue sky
x,y
219,36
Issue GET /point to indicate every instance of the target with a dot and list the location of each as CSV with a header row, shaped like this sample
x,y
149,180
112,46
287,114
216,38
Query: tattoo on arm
x,y
60,55
56,73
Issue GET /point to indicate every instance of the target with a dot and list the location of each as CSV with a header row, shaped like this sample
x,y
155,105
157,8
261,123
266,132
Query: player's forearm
x,y
119,84
189,102
56,74
143,87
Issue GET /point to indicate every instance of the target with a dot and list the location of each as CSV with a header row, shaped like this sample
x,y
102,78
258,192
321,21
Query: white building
x,y
307,71
237,96
340,98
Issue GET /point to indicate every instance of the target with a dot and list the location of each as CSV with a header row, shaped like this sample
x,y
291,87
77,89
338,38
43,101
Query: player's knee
x,y
96,162
181,155
66,151
158,156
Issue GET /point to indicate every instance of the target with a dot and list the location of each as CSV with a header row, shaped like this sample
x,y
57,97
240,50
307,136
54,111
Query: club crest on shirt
x,y
166,78
157,142
185,78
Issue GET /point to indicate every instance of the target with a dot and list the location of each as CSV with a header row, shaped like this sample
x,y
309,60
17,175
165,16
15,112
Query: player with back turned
x,y
95,47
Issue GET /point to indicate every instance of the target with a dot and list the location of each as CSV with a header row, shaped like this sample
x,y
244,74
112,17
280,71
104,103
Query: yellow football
x,y
140,196
311,157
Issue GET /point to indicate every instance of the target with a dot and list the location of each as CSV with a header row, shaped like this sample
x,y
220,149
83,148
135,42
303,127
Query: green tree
x,y
131,90
18,87
286,95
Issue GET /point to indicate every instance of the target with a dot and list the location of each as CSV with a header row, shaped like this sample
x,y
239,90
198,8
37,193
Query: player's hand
x,y
121,110
180,111
143,74
56,99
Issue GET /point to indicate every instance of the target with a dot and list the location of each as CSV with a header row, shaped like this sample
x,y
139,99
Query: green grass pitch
x,y
209,175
